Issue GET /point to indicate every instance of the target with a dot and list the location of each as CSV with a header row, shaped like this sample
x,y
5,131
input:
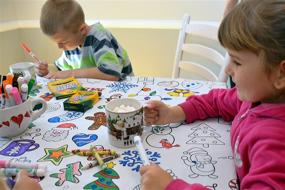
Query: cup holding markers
x,y
124,120
15,120
26,70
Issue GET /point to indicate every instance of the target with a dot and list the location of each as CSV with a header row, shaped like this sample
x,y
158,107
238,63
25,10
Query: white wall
x,y
148,29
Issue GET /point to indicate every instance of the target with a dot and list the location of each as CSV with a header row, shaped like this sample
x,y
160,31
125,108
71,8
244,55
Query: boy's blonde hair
x,y
257,26
61,15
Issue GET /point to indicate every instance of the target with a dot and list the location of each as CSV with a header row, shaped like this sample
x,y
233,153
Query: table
x,y
197,152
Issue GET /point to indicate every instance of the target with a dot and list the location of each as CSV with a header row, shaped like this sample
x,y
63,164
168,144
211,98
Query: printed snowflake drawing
x,y
133,160
121,86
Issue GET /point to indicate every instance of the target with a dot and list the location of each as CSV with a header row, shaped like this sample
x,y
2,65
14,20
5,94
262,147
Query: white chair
x,y
212,53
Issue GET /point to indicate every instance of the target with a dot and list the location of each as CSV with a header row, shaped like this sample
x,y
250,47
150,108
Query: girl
x,y
253,34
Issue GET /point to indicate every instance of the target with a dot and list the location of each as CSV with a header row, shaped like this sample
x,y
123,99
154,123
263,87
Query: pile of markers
x,y
14,89
10,169
101,156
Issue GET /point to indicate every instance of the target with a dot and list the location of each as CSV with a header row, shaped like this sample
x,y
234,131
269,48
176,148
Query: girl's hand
x,y
42,69
156,112
24,182
154,177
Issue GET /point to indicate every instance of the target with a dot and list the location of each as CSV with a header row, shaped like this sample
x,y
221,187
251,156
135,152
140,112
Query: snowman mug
x,y
123,126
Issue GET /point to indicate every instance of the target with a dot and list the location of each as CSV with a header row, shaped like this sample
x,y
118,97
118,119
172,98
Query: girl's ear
x,y
279,82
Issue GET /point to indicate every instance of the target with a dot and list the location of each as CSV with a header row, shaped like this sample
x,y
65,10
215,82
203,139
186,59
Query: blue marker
x,y
10,182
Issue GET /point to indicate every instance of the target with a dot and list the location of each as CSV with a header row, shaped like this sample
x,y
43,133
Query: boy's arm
x,y
218,102
83,73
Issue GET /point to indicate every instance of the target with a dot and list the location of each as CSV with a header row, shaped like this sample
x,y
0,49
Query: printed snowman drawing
x,y
200,163
161,137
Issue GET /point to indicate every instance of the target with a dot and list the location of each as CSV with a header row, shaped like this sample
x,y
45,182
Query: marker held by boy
x,y
29,52
138,143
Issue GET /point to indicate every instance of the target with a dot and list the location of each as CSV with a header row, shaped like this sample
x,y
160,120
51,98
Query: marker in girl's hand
x,y
138,143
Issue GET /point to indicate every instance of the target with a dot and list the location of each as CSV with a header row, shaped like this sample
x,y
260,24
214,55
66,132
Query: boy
x,y
89,51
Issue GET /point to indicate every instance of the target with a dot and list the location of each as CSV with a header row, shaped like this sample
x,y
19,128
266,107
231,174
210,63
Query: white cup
x,y
23,69
16,119
123,126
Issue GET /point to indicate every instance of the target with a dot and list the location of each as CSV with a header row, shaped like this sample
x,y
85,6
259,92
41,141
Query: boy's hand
x,y
156,112
42,68
154,177
24,182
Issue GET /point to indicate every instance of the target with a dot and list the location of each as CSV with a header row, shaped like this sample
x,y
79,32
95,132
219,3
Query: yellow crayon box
x,y
64,88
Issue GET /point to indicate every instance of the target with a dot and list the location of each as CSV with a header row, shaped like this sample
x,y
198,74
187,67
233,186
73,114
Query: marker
x,y
10,182
24,92
16,96
138,143
96,163
30,85
29,52
3,101
10,172
10,164
20,81
9,89
27,78
9,78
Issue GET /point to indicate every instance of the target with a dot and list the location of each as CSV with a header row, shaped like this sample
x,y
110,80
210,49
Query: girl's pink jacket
x,y
257,138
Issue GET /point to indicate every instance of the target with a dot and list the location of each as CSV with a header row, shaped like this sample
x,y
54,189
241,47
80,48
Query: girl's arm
x,y
217,103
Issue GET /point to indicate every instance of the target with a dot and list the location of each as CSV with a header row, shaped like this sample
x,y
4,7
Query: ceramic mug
x,y
16,119
23,69
123,126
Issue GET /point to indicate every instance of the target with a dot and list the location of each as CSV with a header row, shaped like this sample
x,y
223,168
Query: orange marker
x,y
29,51
9,78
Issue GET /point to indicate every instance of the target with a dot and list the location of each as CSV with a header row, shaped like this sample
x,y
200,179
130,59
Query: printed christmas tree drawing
x,y
205,135
104,181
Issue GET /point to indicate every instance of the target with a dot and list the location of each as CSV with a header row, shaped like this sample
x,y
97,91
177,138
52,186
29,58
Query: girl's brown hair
x,y
61,15
257,26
